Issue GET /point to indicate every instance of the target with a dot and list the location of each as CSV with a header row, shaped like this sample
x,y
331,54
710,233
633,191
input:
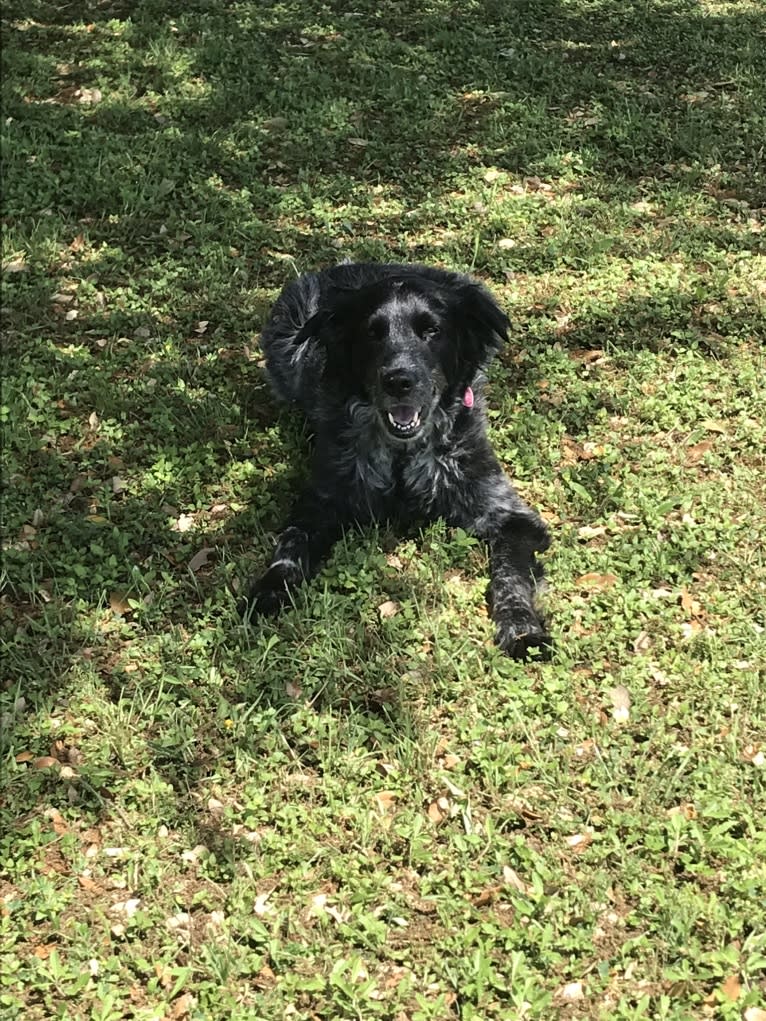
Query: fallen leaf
x,y
689,605
183,523
731,988
45,762
388,609
261,907
182,920
194,854
126,907
620,698
596,582
578,841
642,642
201,558
513,879
385,801
439,810
695,453
587,357
752,753
359,142
89,97
293,690
118,603
15,266
201,326
691,628
572,992
25,757
591,531
487,895
215,807
714,426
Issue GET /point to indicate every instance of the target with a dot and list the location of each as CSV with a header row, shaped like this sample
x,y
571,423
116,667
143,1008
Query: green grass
x,y
346,814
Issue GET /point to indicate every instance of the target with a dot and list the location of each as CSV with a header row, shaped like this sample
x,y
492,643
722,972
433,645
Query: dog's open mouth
x,y
403,420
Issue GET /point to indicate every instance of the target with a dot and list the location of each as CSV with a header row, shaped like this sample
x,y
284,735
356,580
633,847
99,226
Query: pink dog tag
x,y
468,397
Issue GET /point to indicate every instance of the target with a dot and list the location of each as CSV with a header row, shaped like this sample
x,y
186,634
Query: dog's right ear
x,y
312,329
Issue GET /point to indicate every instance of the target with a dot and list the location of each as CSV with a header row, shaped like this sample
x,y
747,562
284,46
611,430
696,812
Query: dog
x,y
387,363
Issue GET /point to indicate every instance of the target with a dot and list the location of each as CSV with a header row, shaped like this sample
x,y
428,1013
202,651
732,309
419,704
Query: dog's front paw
x,y
524,638
268,595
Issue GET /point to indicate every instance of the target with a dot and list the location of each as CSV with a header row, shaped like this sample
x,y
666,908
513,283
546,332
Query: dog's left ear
x,y
482,328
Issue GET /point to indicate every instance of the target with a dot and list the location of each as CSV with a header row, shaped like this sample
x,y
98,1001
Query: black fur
x,y
379,358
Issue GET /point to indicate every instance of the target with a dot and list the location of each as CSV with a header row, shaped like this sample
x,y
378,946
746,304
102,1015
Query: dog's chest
x,y
403,484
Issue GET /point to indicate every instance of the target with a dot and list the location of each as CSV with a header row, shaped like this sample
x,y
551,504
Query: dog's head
x,y
409,343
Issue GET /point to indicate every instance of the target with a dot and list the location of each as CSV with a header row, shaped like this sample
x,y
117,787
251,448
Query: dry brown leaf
x,y
181,1008
24,757
596,582
293,689
731,988
385,801
45,762
44,950
438,811
689,605
587,357
487,895
694,454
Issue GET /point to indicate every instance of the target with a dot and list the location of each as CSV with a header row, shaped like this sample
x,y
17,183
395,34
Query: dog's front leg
x,y
514,533
313,528
515,576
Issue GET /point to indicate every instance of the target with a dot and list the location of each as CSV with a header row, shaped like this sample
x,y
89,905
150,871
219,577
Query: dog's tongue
x,y
403,414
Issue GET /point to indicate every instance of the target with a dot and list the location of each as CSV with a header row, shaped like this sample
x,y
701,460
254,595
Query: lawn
x,y
363,810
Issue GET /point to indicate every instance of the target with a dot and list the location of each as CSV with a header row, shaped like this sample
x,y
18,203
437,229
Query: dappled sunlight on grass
x,y
361,808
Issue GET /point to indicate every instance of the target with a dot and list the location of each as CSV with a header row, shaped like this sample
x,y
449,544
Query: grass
x,y
356,813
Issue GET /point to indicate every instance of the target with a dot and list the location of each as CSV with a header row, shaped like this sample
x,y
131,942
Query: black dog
x,y
386,362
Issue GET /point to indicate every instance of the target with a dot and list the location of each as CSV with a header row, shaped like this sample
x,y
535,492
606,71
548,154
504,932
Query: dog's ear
x,y
312,328
482,329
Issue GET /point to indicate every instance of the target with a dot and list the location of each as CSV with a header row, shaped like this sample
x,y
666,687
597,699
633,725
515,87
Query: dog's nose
x,y
397,382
